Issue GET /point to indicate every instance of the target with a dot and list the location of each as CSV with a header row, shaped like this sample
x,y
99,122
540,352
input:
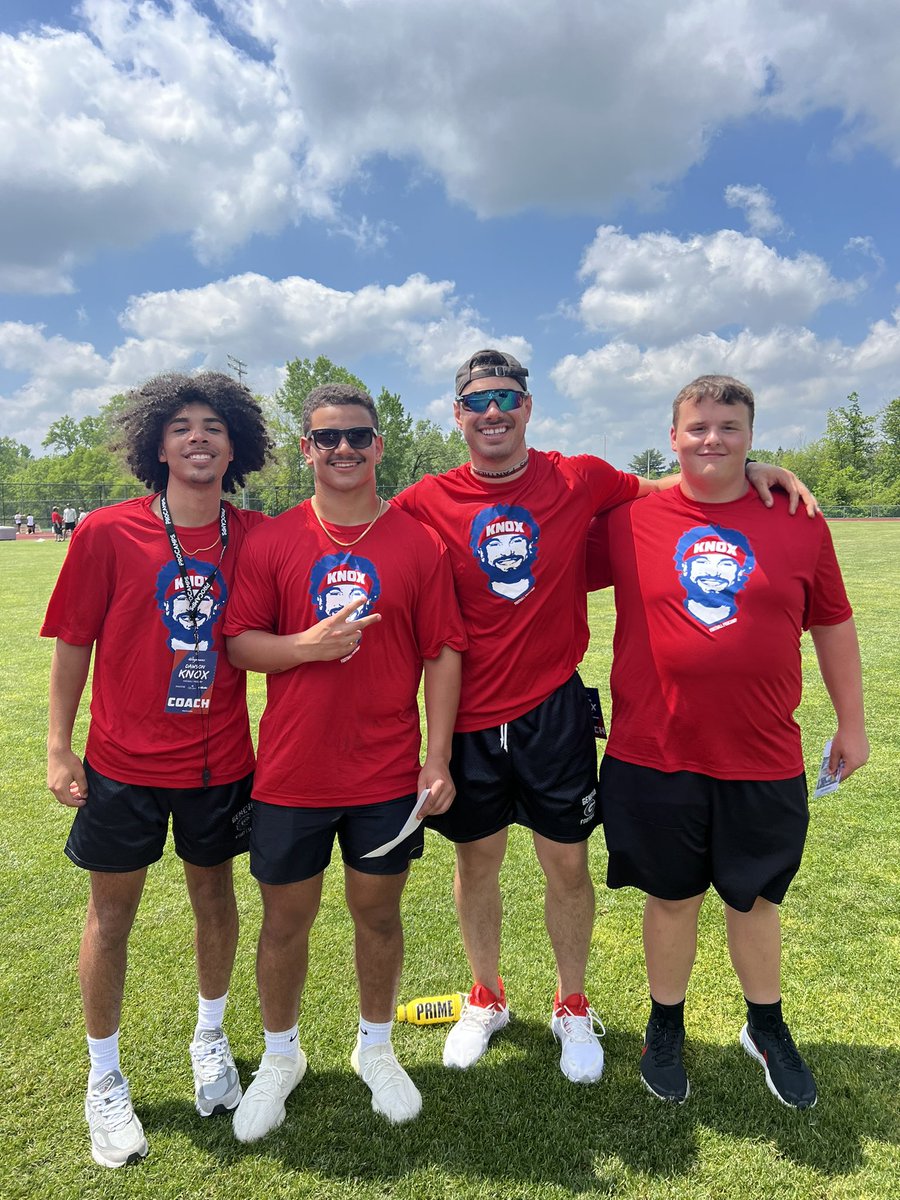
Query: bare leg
x,y
670,945
103,958
754,942
374,904
476,889
568,908
211,890
282,955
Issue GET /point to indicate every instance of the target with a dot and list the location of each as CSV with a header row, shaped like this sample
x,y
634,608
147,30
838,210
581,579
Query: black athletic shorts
x,y
288,844
539,770
674,834
123,826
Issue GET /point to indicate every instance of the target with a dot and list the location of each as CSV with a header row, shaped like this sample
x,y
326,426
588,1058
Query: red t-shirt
x,y
345,732
120,588
517,552
711,600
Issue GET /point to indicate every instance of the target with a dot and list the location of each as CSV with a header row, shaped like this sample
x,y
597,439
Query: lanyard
x,y
195,599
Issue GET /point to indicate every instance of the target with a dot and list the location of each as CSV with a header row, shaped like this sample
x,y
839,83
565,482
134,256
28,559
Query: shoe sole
x,y
137,1156
747,1043
354,1063
464,1067
666,1099
220,1110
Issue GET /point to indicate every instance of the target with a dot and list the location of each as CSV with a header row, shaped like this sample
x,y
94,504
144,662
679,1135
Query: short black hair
x,y
328,394
152,405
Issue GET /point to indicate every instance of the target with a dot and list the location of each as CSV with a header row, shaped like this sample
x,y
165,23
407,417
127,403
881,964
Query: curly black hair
x,y
153,404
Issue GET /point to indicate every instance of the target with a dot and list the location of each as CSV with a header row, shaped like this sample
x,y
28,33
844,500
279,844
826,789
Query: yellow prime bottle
x,y
431,1010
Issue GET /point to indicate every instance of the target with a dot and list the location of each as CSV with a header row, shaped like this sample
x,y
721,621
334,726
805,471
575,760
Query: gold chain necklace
x,y
199,549
346,545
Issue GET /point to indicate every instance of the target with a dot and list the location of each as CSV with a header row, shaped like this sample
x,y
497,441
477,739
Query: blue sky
x,y
625,195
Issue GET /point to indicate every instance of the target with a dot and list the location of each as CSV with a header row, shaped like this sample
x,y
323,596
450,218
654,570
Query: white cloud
x,y
418,324
625,393
658,287
758,208
151,122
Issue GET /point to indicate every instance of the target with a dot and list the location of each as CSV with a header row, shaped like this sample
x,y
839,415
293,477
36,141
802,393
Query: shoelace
x,y
787,1052
662,1045
383,1071
269,1081
582,1027
209,1058
113,1107
476,1014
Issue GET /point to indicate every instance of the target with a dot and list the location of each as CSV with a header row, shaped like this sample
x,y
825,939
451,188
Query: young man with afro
x,y
144,584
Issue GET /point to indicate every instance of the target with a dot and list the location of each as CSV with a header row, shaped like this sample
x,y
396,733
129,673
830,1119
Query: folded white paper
x,y
412,823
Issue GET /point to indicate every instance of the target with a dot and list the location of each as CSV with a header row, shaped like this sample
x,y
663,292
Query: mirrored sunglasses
x,y
506,400
360,437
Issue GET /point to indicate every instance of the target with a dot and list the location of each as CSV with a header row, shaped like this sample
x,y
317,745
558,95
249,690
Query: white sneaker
x,y
217,1086
481,1017
394,1095
117,1137
578,1029
262,1108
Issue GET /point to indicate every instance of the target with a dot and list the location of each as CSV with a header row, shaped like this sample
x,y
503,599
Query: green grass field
x,y
512,1127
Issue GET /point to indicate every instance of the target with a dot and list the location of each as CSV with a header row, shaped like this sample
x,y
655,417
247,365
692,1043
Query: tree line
x,y
855,463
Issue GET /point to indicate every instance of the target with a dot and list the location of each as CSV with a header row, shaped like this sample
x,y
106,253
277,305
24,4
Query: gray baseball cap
x,y
494,364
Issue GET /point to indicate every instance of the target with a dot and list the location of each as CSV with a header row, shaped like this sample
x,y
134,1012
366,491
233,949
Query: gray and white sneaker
x,y
262,1108
117,1137
394,1095
217,1086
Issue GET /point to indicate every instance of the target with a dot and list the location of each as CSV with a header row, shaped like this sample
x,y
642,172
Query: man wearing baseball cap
x,y
515,521
344,601
703,781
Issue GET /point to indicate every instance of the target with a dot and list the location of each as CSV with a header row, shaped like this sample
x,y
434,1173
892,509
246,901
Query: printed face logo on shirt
x,y
713,565
338,579
504,541
174,604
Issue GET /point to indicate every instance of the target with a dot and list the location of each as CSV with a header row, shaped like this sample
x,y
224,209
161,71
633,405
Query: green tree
x,y
850,437
396,427
62,436
12,456
651,464
302,375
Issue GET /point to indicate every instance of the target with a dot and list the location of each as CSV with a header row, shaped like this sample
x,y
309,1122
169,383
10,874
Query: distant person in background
x,y
57,523
18,520
82,513
169,737
70,516
29,522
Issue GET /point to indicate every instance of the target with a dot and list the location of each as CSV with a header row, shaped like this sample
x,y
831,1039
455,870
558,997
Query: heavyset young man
x,y
515,522
702,782
144,583
341,600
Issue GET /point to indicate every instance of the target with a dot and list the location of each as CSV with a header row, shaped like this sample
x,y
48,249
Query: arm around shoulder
x,y
837,649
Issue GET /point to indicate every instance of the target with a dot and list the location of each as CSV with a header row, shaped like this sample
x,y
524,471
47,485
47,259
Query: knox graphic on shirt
x,y
504,541
174,604
338,579
713,565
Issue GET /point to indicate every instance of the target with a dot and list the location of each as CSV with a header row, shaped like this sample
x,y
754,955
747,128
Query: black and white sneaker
x,y
662,1069
787,1075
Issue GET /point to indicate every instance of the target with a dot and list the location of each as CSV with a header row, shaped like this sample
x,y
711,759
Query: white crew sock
x,y
282,1043
371,1033
104,1055
210,1013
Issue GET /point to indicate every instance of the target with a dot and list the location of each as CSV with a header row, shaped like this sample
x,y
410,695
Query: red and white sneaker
x,y
484,1013
578,1029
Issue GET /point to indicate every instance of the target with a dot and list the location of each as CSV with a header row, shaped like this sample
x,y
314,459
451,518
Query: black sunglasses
x,y
358,438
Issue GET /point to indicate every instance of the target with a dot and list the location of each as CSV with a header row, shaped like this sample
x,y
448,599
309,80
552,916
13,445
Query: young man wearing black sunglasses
x,y
515,521
343,601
